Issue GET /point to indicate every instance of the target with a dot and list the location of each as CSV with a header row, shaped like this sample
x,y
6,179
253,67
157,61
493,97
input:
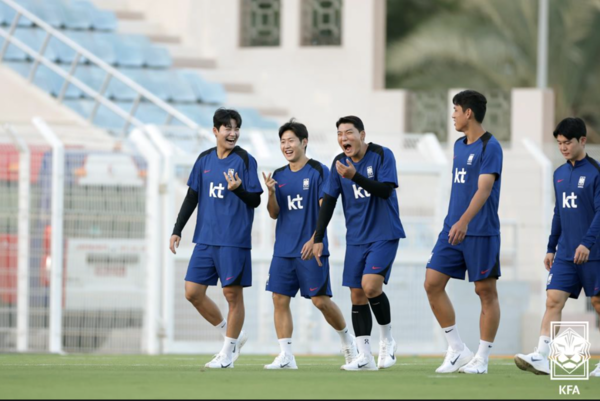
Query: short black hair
x,y
357,122
297,128
470,99
571,127
224,116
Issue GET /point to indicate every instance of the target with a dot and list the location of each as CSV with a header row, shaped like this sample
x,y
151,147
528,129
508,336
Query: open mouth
x,y
288,153
347,148
231,141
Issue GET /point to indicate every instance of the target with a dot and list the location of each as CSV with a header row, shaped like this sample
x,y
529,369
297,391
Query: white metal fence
x,y
105,217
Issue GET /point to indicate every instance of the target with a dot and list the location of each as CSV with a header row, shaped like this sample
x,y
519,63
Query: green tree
x,y
492,44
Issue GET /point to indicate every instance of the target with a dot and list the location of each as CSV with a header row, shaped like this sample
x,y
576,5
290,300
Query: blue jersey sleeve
x,y
195,179
333,186
387,171
592,233
323,181
556,226
251,181
492,160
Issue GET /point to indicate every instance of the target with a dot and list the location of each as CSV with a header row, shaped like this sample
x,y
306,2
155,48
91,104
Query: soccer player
x,y
575,229
224,184
366,177
470,239
295,194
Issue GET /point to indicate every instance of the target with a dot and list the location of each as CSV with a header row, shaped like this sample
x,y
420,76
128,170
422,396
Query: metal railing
x,y
111,74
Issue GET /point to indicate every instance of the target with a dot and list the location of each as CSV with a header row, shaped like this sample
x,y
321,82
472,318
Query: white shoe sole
x,y
526,366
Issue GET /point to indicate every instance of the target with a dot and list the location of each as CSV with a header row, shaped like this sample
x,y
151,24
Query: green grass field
x,y
184,376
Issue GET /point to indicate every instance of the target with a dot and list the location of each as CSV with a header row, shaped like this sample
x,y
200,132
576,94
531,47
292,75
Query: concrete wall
x,y
316,84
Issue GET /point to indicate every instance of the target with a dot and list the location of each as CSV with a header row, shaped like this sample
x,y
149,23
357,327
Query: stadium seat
x,y
7,13
206,92
102,20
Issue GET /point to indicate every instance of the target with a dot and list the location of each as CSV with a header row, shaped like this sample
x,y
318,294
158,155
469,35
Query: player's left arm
x,y
582,253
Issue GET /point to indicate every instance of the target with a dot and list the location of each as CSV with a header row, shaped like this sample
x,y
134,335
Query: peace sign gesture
x,y
269,182
232,183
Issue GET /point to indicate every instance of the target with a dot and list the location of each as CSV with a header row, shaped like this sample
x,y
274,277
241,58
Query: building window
x,y
261,23
321,22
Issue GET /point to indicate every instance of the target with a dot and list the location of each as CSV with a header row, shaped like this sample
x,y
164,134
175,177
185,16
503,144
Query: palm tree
x,y
493,44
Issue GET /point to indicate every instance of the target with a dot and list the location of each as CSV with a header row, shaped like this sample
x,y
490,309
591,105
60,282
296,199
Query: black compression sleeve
x,y
187,208
379,189
251,199
325,214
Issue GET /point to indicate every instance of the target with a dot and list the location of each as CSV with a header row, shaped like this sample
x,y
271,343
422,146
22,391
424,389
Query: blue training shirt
x,y
368,218
576,218
484,156
223,218
298,194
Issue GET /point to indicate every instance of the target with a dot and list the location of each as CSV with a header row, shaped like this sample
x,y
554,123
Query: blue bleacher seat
x,y
154,56
149,113
206,92
102,20
197,113
169,86
33,38
7,13
127,54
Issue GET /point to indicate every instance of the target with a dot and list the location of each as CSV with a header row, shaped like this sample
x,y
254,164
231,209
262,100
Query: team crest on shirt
x,y
370,172
231,171
470,159
581,182
305,183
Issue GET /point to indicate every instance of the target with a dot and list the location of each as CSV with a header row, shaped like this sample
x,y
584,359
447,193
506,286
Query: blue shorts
x,y
374,258
480,256
568,277
230,264
287,275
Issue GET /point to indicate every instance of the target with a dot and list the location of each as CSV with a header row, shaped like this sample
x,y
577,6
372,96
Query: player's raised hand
x,y
318,252
174,243
548,261
232,182
458,232
346,171
269,182
582,254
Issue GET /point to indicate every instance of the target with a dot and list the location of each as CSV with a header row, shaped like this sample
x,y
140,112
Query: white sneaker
x,y
238,347
220,361
283,361
350,352
387,351
596,372
361,362
454,360
477,365
534,363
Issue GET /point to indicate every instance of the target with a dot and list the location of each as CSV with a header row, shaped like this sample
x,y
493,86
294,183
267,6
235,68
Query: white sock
x,y
286,345
386,332
485,348
228,346
453,338
222,327
345,336
543,347
363,343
